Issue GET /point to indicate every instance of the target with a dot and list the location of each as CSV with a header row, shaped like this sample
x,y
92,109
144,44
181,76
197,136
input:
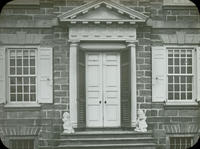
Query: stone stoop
x,y
104,140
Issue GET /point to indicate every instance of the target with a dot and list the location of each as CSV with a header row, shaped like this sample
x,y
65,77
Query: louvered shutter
x,y
125,89
159,74
45,80
2,76
81,90
198,74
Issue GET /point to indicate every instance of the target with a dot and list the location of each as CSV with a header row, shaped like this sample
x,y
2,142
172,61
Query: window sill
x,y
22,106
181,106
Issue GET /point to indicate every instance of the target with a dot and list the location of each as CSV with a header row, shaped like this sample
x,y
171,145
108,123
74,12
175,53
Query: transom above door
x,y
103,89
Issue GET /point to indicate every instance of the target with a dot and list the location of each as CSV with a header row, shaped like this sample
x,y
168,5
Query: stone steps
x,y
103,140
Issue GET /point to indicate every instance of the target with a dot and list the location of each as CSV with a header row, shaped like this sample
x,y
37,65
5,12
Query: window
x,y
176,74
180,74
22,75
180,142
21,144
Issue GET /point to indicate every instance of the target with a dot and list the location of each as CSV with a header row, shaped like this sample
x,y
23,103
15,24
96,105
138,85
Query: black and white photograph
x,y
100,74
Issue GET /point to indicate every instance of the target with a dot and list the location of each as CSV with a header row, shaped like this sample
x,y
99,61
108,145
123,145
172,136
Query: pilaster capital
x,y
131,43
74,43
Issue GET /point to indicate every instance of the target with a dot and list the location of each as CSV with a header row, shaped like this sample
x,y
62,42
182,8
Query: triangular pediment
x,y
102,11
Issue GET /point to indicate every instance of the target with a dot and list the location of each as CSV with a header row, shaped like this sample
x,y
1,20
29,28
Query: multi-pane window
x,y
22,75
180,142
22,144
180,74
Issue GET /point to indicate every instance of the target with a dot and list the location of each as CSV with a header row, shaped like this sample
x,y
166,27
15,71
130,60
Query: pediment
x,y
102,11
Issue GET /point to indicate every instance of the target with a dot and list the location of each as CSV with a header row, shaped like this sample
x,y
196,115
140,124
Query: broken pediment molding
x,y
102,11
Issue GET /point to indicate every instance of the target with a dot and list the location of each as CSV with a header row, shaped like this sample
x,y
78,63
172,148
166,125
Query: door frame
x,y
113,45
102,88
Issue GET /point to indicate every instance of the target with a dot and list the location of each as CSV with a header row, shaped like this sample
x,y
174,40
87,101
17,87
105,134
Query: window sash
x,y
192,74
22,76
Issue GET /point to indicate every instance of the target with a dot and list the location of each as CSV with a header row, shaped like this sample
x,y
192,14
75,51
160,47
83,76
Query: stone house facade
x,y
101,61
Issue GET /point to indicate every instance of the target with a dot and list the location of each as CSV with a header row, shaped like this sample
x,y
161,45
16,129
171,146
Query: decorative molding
x,y
67,126
178,3
20,131
101,32
23,38
180,38
181,128
119,13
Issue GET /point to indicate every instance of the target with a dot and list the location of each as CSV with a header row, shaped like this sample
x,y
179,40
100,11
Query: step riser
x,y
128,147
106,136
105,142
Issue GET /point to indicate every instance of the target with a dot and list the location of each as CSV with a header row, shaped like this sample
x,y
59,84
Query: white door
x,y
103,89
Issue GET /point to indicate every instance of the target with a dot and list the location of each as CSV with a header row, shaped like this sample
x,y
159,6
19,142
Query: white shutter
x,y
45,80
198,74
159,74
2,76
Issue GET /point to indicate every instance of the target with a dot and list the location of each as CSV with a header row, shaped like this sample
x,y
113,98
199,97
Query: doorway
x,y
103,89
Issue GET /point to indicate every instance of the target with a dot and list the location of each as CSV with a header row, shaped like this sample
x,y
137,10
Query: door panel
x,y
103,89
94,90
111,89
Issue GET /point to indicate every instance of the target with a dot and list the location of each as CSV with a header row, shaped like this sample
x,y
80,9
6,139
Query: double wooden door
x,y
103,89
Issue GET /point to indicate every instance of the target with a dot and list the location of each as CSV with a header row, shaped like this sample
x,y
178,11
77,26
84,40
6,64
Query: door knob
x,y
105,102
100,102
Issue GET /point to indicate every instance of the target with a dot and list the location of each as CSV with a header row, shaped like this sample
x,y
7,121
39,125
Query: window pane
x,y
170,79
12,70
19,62
13,97
25,62
32,97
12,80
189,70
189,96
25,54
170,61
189,87
170,96
176,96
26,97
176,61
32,88
26,80
183,96
183,86
12,89
32,70
183,70
32,80
170,87
170,70
19,97
12,62
19,80
19,54
32,62
176,79
25,70
19,89
26,89
19,70
177,87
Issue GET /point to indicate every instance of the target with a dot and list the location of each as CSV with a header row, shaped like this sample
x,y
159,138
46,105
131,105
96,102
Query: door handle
x,y
105,102
100,102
